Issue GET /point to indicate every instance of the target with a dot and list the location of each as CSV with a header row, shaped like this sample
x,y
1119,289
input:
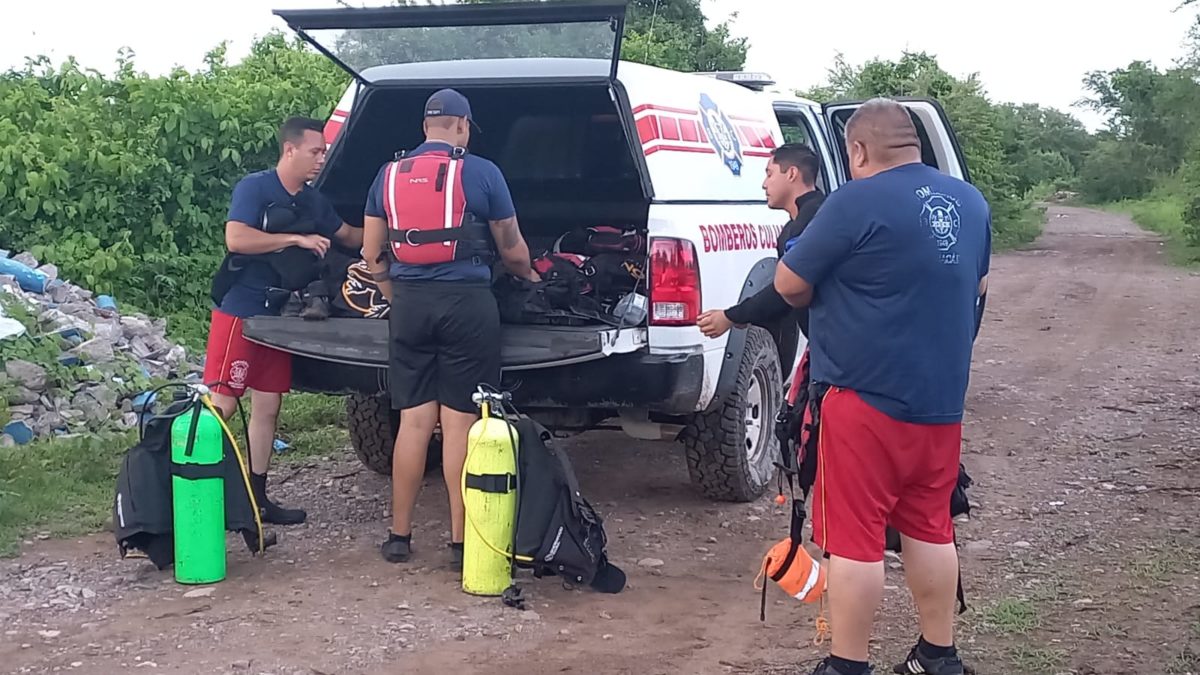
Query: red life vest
x,y
426,209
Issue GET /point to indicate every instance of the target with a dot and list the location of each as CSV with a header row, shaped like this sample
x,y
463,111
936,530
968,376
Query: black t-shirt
x,y
767,307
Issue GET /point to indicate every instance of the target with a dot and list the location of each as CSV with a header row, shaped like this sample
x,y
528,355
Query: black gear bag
x,y
558,531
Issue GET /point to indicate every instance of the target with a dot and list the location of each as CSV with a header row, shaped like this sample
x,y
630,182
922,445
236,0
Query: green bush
x,y
1191,221
123,181
1169,210
1045,167
1119,169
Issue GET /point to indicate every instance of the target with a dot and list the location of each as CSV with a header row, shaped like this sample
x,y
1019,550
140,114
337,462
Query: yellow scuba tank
x,y
489,486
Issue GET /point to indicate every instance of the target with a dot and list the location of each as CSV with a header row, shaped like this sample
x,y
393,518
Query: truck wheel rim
x,y
753,414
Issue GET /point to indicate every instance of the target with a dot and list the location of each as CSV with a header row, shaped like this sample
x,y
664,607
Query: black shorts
x,y
445,342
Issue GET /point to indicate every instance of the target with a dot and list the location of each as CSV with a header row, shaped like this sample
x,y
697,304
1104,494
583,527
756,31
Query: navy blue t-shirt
x,y
487,197
251,197
895,261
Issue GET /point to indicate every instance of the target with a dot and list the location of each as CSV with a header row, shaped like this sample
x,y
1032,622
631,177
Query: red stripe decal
x,y
670,128
663,108
751,136
679,148
647,129
331,130
689,130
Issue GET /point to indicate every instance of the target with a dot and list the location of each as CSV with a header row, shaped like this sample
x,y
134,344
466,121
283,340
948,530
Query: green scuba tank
x,y
198,496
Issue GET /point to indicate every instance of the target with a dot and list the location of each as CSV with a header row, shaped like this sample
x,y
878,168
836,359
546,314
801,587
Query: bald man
x,y
891,269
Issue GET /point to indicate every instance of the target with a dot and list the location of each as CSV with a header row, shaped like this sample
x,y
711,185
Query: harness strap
x,y
797,537
499,483
962,601
192,428
197,471
414,237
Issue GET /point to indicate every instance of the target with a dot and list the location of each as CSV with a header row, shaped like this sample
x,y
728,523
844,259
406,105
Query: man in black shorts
x,y
434,220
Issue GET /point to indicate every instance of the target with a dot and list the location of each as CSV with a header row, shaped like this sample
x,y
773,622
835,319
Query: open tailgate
x,y
358,38
364,342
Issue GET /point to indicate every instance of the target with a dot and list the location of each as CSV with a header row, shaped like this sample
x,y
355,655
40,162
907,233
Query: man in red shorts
x,y
234,364
891,268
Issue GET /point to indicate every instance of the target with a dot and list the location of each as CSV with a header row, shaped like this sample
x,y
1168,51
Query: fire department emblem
x,y
941,216
238,370
721,134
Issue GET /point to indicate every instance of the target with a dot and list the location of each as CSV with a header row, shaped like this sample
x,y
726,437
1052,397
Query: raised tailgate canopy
x,y
361,38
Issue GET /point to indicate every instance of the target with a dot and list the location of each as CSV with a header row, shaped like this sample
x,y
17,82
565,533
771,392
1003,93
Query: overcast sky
x,y
1012,44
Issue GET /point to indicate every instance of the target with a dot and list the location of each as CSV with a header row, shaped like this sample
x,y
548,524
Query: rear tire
x,y
373,426
731,451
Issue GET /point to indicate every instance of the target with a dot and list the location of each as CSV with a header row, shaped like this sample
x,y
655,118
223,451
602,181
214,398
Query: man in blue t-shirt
x,y
233,363
892,268
434,220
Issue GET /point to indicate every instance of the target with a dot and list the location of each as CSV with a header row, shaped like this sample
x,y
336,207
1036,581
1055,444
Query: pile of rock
x,y
87,361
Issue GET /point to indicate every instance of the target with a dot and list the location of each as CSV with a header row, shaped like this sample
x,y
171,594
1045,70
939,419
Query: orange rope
x,y
823,632
762,575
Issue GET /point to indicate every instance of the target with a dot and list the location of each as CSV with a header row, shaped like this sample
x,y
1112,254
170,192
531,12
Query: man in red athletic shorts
x,y
891,268
234,364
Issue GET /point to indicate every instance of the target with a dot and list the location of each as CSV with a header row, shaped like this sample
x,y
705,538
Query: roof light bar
x,y
749,79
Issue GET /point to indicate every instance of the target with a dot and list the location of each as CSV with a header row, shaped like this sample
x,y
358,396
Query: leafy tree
x,y
1119,169
1147,106
672,34
1031,127
978,123
1042,146
123,181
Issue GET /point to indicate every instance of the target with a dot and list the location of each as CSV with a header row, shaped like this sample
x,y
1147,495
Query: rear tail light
x,y
674,282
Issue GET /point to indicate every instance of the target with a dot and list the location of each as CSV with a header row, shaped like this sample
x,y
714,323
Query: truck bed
x,y
364,342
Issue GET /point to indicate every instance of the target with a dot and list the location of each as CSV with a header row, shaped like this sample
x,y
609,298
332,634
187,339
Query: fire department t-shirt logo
x,y
721,134
939,213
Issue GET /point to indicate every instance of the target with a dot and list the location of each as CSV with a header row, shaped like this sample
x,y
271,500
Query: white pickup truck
x,y
585,139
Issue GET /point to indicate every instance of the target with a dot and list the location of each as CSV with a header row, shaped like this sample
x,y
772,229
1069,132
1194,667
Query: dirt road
x,y
1081,555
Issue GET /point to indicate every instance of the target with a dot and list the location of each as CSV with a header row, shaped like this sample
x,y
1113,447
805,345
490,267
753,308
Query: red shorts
x,y
234,363
874,471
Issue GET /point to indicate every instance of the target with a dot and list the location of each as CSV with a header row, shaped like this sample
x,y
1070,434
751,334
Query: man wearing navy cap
x,y
435,219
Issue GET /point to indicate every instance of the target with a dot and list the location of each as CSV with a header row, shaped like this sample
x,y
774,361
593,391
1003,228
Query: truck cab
x,y
586,139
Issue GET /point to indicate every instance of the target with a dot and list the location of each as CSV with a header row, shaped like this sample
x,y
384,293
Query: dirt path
x,y
1081,555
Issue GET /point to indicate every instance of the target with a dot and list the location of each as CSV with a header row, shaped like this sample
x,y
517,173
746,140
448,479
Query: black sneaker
x,y
396,549
269,511
917,663
456,555
825,668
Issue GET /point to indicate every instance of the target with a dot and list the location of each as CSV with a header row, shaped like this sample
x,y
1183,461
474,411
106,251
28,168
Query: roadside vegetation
x,y
1146,162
